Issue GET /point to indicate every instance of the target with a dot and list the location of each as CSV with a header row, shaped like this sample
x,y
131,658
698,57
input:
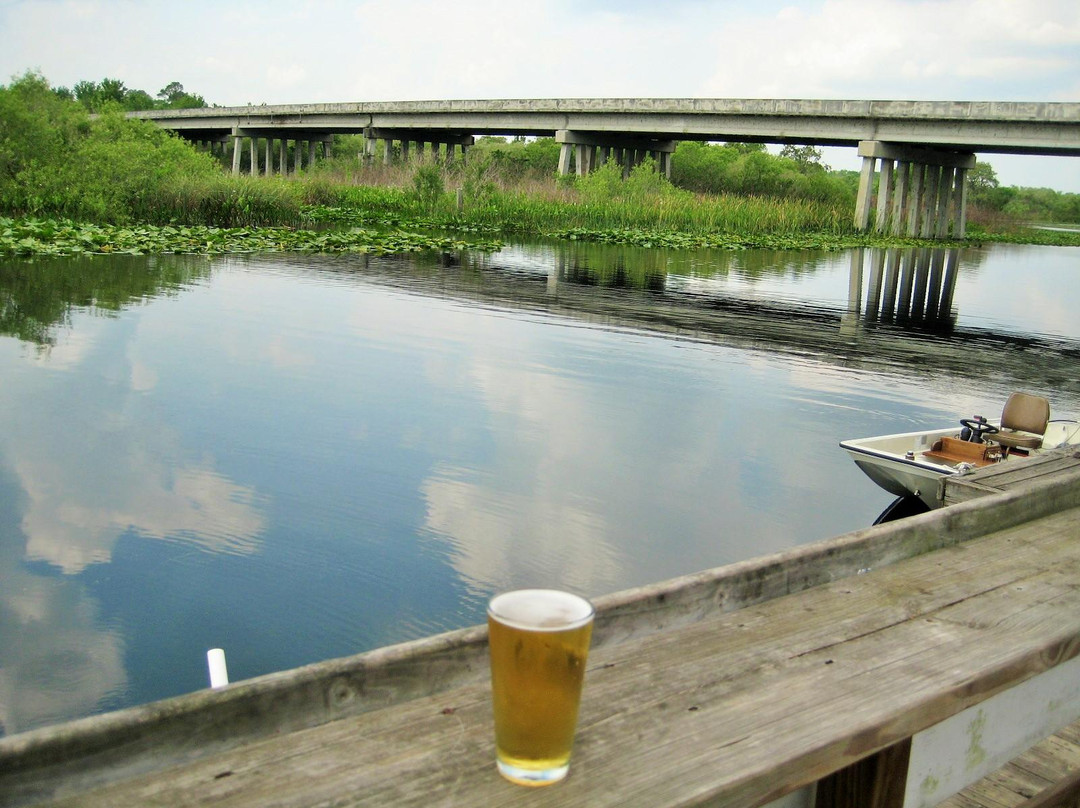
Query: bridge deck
x,y
987,126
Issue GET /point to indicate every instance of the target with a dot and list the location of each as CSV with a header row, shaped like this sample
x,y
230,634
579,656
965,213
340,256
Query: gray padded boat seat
x,y
1023,422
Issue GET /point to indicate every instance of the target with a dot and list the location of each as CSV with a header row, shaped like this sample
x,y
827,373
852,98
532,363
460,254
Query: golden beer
x,y
539,640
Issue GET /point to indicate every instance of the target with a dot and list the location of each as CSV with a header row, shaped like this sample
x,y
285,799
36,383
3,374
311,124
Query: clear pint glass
x,y
539,641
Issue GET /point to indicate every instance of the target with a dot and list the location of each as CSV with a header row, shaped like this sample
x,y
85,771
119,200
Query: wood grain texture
x,y
1013,474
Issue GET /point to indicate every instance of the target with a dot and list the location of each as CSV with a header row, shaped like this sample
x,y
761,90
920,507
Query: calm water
x,y
298,458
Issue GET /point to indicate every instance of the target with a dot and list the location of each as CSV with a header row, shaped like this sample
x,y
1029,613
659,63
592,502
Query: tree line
x,y
97,96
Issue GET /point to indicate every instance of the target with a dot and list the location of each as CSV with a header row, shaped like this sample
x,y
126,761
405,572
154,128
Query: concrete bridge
x,y
916,153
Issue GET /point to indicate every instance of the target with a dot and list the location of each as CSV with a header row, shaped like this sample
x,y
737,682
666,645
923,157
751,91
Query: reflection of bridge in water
x,y
904,285
904,323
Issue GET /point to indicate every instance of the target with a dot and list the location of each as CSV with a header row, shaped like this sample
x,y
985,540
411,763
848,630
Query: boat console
x,y
955,450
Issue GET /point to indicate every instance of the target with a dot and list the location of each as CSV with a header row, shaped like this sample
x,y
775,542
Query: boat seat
x,y
1023,422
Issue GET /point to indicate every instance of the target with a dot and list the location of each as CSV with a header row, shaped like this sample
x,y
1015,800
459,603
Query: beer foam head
x,y
540,609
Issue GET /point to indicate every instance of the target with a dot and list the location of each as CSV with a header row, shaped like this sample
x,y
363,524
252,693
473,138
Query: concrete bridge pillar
x,y
901,176
884,190
564,159
918,174
283,157
590,150
944,200
268,157
583,159
931,185
236,152
665,164
960,197
929,190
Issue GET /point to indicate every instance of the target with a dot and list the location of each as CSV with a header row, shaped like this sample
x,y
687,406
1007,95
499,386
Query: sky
x,y
275,52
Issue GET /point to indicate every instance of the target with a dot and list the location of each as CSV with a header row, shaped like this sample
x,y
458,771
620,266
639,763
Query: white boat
x,y
913,464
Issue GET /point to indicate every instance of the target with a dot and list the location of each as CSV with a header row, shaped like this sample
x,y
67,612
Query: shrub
x,y
428,186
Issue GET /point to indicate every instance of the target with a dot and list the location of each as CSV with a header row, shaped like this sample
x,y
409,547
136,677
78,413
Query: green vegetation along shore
x,y
73,183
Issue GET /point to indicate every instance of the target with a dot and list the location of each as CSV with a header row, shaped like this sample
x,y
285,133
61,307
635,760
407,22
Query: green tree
x,y
982,178
86,93
37,131
55,160
94,96
138,99
985,190
173,96
806,158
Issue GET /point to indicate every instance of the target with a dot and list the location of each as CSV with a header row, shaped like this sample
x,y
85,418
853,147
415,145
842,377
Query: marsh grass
x,y
536,207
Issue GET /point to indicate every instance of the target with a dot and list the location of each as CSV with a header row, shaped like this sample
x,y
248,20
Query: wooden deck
x,y
1011,475
839,672
1045,776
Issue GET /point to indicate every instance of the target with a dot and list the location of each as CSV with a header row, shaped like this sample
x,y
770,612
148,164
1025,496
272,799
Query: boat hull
x,y
884,460
902,463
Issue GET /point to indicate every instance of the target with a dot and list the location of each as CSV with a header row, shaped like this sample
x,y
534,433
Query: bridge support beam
x,y
236,141
628,150
442,143
925,186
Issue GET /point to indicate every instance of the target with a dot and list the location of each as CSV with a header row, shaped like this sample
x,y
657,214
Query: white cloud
x,y
898,49
292,75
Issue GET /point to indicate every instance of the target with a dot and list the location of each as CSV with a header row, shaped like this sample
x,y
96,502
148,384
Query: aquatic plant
x,y
53,237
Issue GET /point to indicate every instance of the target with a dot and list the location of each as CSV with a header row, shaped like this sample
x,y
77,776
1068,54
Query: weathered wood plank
x,y
1051,759
734,709
1063,794
1012,475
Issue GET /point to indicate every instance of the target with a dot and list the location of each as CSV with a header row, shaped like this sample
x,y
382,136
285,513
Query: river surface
x,y
304,457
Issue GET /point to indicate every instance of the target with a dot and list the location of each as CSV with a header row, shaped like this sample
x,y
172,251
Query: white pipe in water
x,y
219,673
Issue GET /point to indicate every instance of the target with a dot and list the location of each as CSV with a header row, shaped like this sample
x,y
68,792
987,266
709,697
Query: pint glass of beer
x,y
539,639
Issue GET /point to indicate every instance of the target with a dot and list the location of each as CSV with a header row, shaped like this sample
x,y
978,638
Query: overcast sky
x,y
236,52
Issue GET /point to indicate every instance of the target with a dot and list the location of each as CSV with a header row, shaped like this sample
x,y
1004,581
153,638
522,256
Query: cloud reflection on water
x,y
56,661
88,464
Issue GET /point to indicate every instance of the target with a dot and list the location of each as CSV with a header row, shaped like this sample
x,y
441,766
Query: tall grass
x,y
644,201
531,202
